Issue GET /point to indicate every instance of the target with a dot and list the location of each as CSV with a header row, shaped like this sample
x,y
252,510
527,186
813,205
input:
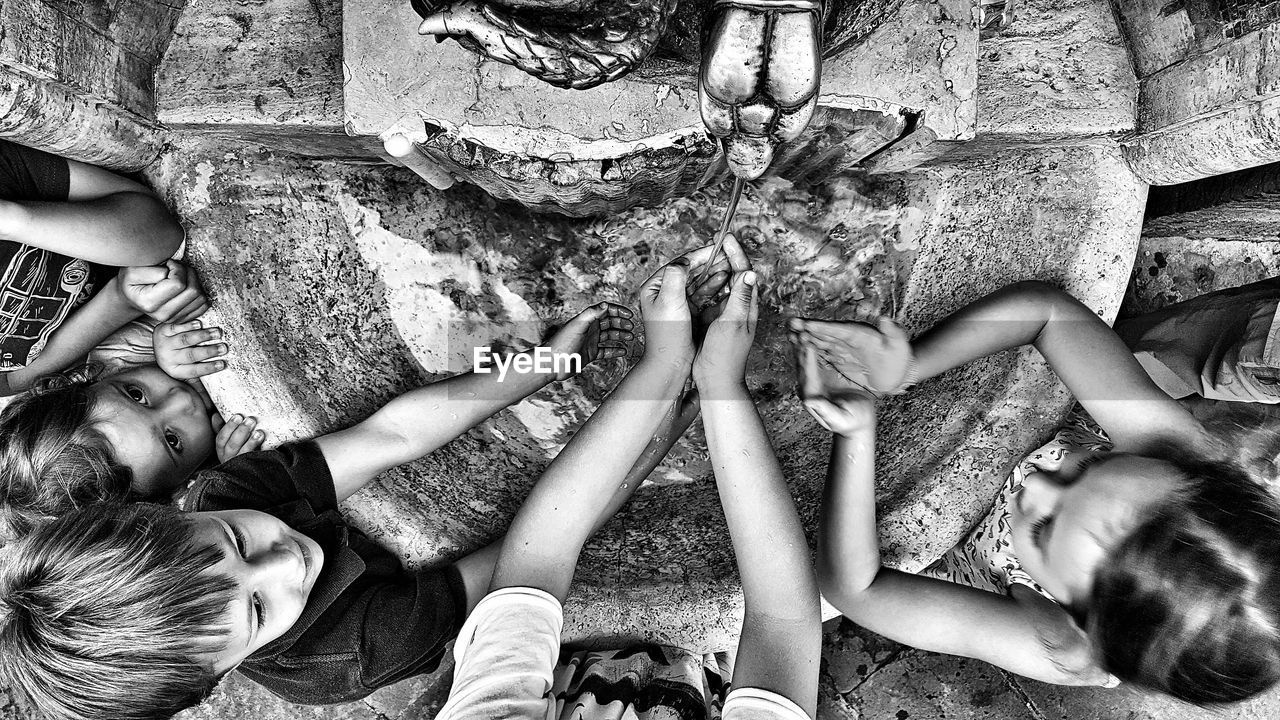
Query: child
x,y
134,432
135,611
64,227
506,652
1149,563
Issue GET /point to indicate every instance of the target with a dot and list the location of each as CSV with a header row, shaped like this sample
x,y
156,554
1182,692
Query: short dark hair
x,y
104,611
52,458
1188,603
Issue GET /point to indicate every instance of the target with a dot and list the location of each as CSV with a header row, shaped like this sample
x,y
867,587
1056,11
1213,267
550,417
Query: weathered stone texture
x,y
266,71
77,78
1060,70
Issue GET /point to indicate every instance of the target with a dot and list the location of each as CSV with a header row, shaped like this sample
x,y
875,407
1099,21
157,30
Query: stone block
x,y
1243,72
1061,70
1234,138
77,78
263,71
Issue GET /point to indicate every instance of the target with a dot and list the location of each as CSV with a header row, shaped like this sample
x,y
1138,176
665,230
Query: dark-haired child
x,y
1132,555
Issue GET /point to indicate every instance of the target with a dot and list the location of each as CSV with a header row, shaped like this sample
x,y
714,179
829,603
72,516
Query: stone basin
x,y
338,285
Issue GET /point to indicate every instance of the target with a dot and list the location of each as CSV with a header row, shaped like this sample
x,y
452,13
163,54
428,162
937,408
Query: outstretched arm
x,y
571,498
423,420
476,569
781,632
107,219
1085,353
1025,634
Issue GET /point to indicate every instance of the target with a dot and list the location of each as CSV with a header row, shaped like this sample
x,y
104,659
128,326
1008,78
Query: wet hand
x,y
845,415
664,305
236,435
169,292
710,285
604,330
722,358
856,356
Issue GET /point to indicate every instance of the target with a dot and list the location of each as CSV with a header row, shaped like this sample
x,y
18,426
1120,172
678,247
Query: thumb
x,y
674,280
742,297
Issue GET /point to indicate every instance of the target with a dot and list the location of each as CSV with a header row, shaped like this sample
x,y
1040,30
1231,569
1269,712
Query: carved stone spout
x,y
758,84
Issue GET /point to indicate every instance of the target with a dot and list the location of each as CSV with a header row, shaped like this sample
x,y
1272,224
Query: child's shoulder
x,y
265,479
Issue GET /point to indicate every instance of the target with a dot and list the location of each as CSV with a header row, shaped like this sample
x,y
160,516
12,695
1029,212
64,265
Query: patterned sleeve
x,y
29,174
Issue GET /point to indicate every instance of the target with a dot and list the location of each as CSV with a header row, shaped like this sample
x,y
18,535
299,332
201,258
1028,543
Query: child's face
x,y
1065,522
157,426
273,567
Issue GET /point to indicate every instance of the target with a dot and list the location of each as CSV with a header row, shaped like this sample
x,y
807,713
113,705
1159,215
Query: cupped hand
x,y
169,292
722,358
838,404
664,305
853,355
844,415
237,435
189,350
604,330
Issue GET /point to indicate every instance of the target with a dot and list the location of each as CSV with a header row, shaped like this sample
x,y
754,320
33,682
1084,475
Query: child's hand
x,y
168,293
182,352
236,436
860,356
603,330
838,405
845,415
706,295
722,359
668,329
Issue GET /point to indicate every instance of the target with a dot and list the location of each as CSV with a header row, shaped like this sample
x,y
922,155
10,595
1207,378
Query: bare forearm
x,y
82,331
571,497
768,541
1010,317
848,543
419,422
121,229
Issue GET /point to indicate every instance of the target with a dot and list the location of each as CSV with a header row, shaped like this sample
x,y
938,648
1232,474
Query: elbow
x,y
157,233
842,589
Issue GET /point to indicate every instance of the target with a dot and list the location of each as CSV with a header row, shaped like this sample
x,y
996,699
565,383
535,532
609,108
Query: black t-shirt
x,y
38,289
368,622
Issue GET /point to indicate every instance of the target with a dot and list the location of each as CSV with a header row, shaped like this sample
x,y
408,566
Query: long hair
x,y
52,459
103,611
1188,603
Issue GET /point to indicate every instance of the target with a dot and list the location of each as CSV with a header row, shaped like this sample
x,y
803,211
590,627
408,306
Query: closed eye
x,y
259,611
1039,530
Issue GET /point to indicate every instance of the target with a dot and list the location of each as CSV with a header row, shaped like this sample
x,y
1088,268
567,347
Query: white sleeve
x,y
505,656
756,704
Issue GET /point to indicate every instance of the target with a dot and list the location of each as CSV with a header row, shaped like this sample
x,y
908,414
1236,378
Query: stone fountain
x,y
897,89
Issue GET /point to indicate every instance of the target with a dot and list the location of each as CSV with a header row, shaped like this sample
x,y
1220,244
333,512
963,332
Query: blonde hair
x,y
52,458
104,610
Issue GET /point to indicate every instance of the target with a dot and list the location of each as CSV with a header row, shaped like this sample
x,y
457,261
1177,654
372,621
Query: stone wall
x,y
77,78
